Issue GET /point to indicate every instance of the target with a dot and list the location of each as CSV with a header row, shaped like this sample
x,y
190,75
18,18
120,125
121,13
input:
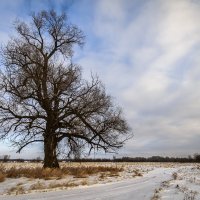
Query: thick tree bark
x,y
50,156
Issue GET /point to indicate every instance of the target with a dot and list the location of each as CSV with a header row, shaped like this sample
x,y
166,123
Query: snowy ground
x,y
138,181
183,184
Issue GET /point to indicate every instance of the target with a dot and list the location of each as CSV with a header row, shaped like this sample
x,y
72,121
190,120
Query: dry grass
x,y
188,194
175,176
85,171
2,177
16,190
84,182
63,185
2,174
156,195
113,174
47,173
137,173
165,184
67,184
34,173
102,176
67,171
42,186
37,186
191,195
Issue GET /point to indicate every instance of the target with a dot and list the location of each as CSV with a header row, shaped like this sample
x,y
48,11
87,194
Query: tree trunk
x,y
50,156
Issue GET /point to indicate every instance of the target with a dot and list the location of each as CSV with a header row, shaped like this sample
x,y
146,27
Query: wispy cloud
x,y
149,60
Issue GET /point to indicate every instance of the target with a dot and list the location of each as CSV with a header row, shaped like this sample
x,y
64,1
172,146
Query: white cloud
x,y
150,62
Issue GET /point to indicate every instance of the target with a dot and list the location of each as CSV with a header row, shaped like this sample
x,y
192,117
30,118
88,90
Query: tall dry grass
x,y
2,177
84,171
2,174
47,173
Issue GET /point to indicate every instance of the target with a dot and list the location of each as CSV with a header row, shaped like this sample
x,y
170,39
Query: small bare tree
x,y
6,158
43,97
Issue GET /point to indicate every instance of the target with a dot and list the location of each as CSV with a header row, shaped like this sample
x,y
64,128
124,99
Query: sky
x,y
146,52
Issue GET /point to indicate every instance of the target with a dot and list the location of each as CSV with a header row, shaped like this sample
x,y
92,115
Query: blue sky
x,y
146,52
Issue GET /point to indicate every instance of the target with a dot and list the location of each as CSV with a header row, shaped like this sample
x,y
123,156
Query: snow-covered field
x,y
183,184
137,181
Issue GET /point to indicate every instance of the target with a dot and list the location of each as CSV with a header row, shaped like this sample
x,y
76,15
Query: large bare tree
x,y
43,97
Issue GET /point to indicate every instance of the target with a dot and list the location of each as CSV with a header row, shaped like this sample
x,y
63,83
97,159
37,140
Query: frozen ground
x,y
158,181
184,184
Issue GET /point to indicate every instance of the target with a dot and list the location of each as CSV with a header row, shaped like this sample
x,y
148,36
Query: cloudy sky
x,y
147,53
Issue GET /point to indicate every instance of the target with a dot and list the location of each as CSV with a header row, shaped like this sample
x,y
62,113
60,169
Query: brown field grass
x,y
2,174
16,190
2,177
48,174
65,185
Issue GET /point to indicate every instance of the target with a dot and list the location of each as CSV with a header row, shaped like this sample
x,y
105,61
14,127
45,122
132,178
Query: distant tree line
x,y
195,158
189,159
